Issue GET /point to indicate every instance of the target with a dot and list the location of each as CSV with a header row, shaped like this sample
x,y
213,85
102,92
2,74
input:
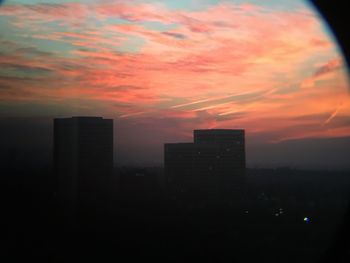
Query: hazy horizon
x,y
31,140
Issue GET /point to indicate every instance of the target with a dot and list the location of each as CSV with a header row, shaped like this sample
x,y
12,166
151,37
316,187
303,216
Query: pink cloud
x,y
46,11
330,66
186,72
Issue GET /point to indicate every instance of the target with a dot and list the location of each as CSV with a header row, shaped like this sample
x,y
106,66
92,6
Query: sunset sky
x,y
163,68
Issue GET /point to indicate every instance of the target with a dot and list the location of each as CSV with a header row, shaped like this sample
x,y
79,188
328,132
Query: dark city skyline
x,y
29,142
204,194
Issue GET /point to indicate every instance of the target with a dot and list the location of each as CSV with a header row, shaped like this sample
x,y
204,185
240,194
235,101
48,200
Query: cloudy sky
x,y
164,68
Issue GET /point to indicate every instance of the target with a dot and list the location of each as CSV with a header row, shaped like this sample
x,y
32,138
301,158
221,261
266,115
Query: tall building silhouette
x,y
214,163
83,159
217,152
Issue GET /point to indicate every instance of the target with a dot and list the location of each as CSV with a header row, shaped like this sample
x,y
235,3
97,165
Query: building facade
x,y
83,159
219,152
212,165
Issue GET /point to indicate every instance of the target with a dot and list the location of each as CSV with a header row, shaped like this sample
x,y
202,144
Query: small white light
x,y
306,220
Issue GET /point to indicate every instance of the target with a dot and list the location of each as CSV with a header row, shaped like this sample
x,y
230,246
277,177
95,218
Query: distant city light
x,y
246,211
306,220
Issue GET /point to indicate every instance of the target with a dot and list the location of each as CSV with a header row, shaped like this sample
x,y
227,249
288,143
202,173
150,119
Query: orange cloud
x,y
226,66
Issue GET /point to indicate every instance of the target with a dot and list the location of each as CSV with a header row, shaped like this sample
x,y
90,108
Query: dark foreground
x,y
279,216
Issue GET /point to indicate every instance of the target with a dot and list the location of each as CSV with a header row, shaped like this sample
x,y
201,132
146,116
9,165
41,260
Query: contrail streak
x,y
333,115
132,114
213,99
192,103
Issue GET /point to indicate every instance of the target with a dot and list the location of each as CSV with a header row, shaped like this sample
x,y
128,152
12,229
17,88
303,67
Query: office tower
x,y
83,159
217,152
221,151
214,163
